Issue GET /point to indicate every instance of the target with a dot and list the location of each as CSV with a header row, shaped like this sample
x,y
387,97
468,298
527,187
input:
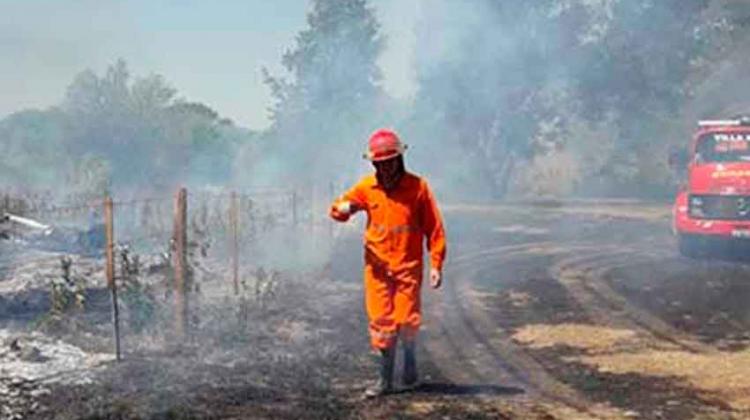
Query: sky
x,y
210,51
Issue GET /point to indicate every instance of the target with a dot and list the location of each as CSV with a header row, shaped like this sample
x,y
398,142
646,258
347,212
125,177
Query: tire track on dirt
x,y
469,345
484,344
449,340
583,277
491,355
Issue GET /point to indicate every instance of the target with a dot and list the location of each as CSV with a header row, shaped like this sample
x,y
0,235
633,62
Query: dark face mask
x,y
389,172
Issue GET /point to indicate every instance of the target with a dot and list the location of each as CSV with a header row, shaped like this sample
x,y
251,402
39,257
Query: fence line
x,y
237,222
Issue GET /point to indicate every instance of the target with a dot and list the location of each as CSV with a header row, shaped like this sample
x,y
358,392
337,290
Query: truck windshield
x,y
723,147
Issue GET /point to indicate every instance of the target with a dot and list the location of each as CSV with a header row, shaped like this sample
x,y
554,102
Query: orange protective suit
x,y
397,223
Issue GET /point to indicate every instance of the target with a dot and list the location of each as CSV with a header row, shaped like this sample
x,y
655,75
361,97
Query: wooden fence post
x,y
110,252
234,241
179,261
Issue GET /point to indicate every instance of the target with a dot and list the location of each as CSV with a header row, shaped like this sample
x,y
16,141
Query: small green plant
x,y
136,296
257,294
265,286
67,297
69,292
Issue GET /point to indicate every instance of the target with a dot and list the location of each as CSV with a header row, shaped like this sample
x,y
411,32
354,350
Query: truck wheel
x,y
689,246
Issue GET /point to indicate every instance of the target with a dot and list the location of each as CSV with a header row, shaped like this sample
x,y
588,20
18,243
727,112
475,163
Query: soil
x,y
583,310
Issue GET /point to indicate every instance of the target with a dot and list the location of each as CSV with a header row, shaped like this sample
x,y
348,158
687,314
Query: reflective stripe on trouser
x,y
393,304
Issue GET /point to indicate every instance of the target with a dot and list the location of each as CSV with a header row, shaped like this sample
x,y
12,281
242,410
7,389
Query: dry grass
x,y
421,408
720,374
521,230
520,299
597,208
640,212
591,338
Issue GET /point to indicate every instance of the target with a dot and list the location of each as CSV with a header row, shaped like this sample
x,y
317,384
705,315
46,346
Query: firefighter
x,y
401,214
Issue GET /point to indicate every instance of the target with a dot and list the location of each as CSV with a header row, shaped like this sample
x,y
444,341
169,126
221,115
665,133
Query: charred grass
x,y
633,370
284,360
305,355
708,299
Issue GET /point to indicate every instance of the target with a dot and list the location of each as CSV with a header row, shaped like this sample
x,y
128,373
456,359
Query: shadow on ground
x,y
443,388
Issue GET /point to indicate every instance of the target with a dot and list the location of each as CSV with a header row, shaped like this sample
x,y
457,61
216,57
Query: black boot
x,y
385,382
410,377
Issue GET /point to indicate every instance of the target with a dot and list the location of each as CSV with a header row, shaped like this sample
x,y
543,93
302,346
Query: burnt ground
x,y
577,311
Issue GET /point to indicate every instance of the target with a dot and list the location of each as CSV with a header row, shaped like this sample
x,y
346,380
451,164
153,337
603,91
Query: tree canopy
x,y
123,132
546,97
525,81
331,96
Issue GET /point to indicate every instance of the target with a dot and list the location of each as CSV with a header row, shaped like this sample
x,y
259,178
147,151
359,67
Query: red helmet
x,y
384,144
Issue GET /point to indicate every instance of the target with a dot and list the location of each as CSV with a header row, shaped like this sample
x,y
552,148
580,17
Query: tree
x,y
482,87
118,120
330,100
208,144
144,133
113,131
32,150
547,67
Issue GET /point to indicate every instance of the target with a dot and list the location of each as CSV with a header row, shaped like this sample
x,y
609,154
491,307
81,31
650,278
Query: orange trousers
x,y
393,304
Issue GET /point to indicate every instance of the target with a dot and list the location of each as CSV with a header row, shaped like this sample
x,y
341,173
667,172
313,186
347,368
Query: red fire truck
x,y
712,210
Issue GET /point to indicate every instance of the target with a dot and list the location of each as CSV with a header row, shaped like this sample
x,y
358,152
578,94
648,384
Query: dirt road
x,y
591,313
576,311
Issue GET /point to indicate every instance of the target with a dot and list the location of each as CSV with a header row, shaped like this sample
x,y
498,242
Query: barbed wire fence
x,y
170,253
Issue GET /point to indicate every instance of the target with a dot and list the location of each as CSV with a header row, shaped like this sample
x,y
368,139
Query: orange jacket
x,y
397,222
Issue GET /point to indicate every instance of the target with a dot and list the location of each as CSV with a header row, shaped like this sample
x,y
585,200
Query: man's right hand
x,y
347,207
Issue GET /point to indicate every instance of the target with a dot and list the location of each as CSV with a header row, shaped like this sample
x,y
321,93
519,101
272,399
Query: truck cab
x,y
712,208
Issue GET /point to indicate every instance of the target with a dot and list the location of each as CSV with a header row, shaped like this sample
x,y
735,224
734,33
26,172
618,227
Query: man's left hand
x,y
436,278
